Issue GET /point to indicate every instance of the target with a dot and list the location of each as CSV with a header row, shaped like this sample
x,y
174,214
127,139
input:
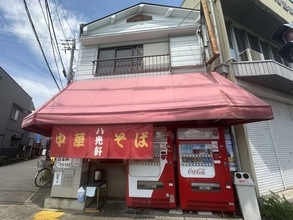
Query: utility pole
x,y
70,69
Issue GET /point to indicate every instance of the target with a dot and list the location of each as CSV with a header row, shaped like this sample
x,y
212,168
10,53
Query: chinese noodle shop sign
x,y
104,141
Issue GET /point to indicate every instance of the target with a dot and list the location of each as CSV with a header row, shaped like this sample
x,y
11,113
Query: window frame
x,y
115,62
16,113
231,31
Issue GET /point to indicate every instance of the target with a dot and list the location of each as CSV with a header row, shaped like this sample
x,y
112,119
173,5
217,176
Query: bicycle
x,y
45,174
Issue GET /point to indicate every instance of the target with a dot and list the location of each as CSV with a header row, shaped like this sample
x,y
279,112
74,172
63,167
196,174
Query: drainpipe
x,y
211,32
215,29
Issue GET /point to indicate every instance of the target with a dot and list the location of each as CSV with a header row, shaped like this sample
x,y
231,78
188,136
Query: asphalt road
x,y
19,197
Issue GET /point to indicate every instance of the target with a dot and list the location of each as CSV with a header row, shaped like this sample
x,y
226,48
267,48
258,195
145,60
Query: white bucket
x,y
81,194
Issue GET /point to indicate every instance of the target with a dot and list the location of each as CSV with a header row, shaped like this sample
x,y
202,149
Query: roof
x,y
167,98
151,8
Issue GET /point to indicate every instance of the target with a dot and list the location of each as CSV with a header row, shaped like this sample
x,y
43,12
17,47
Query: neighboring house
x,y
15,104
249,57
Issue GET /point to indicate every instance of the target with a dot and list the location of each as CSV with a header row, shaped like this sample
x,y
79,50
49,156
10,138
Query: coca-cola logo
x,y
215,133
199,171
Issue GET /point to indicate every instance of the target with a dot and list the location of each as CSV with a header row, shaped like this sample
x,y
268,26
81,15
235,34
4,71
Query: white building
x,y
144,64
249,57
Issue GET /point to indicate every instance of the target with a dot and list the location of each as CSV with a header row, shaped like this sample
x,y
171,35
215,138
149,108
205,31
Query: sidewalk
x,y
118,211
288,194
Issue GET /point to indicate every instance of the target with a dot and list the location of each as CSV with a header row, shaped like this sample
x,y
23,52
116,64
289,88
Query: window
x,y
119,60
265,50
15,113
14,142
232,48
253,41
244,40
240,39
276,55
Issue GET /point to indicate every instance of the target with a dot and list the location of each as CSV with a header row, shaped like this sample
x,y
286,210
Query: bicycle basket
x,y
43,163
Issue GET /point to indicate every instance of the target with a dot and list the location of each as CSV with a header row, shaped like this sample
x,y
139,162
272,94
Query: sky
x,y
20,54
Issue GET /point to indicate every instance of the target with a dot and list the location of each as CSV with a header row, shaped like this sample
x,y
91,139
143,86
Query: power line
x,y
67,21
188,14
52,43
58,15
49,13
17,42
40,45
24,36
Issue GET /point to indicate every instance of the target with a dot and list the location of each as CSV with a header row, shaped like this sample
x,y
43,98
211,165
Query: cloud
x,y
26,64
39,91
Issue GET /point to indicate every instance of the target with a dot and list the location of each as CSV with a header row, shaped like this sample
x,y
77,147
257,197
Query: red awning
x,y
180,97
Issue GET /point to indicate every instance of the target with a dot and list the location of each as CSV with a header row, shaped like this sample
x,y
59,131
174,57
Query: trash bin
x,y
246,196
81,194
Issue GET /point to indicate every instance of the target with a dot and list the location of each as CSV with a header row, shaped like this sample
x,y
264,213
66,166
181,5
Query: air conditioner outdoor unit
x,y
251,55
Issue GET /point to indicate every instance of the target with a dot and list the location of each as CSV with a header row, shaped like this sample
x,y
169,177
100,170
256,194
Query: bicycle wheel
x,y
43,177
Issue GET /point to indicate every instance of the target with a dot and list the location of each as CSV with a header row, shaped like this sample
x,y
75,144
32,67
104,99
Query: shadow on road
x,y
41,195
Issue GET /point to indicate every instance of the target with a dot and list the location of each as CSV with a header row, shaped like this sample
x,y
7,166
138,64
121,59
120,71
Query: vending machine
x,y
205,182
151,183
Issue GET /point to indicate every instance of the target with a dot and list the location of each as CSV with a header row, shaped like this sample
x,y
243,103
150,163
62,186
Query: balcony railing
x,y
128,65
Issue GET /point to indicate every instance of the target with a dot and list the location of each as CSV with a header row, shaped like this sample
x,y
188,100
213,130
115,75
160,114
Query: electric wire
x,y
22,43
63,31
60,3
59,19
54,33
188,13
51,42
53,46
11,34
40,45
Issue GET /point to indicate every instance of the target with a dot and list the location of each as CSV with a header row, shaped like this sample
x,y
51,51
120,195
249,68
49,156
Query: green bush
x,y
275,207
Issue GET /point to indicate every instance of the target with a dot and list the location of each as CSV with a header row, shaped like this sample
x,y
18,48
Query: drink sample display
x,y
196,155
155,161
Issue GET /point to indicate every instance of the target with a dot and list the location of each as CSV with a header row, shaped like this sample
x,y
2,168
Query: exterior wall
x,y
9,127
264,147
154,34
185,51
218,23
122,26
283,8
115,175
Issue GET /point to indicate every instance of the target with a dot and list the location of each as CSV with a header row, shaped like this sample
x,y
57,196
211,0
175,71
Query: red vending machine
x,y
204,176
150,183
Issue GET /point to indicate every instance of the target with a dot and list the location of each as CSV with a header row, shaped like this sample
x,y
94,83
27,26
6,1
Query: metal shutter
x,y
264,157
282,130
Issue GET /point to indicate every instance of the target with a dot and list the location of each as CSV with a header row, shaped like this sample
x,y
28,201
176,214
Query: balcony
x,y
267,73
131,65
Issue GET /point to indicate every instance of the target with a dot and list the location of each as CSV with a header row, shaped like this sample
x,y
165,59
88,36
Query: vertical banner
x,y
142,143
97,147
103,141
120,143
59,141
